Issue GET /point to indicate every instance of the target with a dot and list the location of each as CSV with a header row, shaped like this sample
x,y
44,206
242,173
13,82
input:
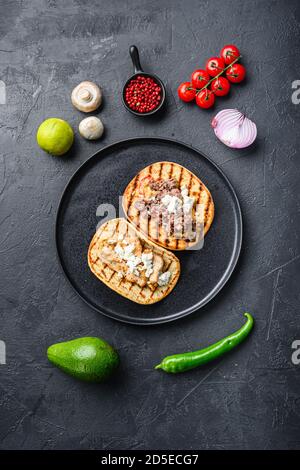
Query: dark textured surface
x,y
250,399
77,220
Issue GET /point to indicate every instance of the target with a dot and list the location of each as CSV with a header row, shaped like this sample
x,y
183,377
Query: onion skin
x,y
234,129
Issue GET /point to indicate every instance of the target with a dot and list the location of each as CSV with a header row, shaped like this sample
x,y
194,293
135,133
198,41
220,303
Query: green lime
x,y
55,136
89,359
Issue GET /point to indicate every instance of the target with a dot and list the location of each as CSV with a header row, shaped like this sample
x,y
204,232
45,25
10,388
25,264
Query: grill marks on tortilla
x,y
133,189
170,176
115,228
207,205
206,210
148,218
123,286
185,178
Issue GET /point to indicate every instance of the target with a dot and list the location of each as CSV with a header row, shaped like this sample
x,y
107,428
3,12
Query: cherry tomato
x,y
214,66
229,53
200,78
205,99
220,86
236,73
184,93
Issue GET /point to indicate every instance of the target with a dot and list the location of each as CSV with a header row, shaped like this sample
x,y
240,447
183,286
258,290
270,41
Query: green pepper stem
x,y
158,366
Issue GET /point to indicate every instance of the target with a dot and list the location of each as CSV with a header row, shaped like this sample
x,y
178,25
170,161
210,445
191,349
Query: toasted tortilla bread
x,y
132,287
155,231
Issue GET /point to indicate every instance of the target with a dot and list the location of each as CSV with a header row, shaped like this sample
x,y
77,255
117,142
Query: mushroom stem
x,y
86,97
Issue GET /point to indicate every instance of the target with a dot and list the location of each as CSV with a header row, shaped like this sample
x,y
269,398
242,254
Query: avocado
x,y
89,359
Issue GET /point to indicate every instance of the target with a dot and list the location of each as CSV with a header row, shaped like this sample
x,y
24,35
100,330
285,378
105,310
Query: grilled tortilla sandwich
x,y
131,265
169,205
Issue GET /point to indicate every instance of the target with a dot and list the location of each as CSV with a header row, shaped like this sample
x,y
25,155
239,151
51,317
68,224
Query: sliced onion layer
x,y
234,129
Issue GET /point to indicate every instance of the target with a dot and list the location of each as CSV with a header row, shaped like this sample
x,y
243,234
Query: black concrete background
x,y
250,399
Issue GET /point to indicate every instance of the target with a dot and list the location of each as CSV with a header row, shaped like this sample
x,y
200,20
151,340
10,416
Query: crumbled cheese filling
x,y
188,201
147,260
128,251
135,263
164,278
174,204
126,254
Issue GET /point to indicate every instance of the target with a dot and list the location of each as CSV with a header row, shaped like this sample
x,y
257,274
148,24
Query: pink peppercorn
x,y
142,94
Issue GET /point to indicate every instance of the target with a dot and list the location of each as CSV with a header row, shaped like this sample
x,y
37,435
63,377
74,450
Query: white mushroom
x,y
91,128
86,97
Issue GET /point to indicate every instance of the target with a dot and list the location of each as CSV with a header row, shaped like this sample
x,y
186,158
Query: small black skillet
x,y
134,54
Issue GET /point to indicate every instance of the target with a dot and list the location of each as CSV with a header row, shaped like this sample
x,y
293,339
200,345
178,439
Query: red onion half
x,y
234,129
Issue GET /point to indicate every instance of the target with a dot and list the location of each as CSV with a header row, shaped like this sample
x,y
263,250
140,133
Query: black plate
x,y
102,179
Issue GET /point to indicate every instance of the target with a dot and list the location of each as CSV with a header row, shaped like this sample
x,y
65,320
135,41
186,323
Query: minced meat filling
x,y
168,204
164,185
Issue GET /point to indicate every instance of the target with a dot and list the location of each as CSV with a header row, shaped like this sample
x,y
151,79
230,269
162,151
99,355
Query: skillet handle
x,y
134,54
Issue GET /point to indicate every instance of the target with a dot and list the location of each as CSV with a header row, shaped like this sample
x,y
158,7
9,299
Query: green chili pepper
x,y
189,360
